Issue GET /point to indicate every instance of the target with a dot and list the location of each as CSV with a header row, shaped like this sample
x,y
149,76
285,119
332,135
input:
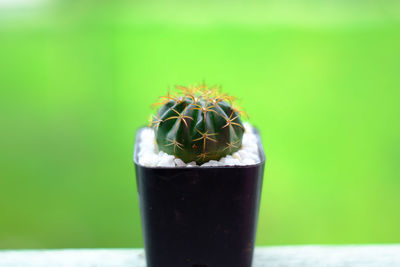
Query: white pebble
x,y
145,159
191,164
179,162
211,163
237,156
248,162
166,161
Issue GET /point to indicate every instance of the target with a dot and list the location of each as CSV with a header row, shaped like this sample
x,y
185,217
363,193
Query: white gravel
x,y
149,156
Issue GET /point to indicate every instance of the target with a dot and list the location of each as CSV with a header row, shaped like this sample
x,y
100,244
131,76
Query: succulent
x,y
198,124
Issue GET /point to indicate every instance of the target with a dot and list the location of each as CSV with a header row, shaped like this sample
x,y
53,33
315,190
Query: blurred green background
x,y
320,79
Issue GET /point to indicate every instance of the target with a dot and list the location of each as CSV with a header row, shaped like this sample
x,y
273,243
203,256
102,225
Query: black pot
x,y
199,216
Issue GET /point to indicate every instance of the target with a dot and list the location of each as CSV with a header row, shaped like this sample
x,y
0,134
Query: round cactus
x,y
198,124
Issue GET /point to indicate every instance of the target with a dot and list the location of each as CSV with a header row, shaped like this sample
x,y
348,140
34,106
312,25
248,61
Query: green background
x,y
320,79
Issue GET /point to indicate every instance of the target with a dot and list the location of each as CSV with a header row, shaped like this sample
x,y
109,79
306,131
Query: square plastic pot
x,y
199,216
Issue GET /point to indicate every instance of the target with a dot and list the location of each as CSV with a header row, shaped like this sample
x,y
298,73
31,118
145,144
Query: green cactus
x,y
198,124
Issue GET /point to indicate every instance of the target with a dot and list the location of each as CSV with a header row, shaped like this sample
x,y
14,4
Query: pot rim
x,y
259,145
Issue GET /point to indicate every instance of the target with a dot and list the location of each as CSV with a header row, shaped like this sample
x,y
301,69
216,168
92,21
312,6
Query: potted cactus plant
x,y
199,173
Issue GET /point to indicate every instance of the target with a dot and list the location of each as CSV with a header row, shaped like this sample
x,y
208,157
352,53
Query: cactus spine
x,y
198,124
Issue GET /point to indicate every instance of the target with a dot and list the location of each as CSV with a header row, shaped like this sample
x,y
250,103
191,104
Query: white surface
x,y
149,156
284,256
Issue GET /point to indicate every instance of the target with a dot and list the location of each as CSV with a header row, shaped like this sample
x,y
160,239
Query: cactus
x,y
198,124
